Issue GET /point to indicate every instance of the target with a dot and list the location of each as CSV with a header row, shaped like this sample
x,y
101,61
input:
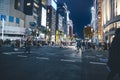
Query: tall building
x,y
110,18
52,7
59,28
12,18
67,24
70,28
94,25
18,15
31,10
61,19
98,20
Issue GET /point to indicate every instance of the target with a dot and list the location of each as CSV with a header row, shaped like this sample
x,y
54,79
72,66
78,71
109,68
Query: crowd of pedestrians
x,y
84,45
11,43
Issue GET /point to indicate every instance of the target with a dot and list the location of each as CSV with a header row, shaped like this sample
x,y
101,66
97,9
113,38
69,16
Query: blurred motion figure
x,y
27,46
114,56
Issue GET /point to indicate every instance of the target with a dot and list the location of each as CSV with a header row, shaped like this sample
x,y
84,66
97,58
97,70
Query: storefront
x,y
12,33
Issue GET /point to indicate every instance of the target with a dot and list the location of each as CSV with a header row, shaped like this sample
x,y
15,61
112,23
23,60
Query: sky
x,y
80,14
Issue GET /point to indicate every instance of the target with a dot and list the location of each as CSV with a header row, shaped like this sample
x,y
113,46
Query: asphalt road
x,y
51,63
42,64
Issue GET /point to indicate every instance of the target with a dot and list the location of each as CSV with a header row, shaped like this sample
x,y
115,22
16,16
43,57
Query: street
x,y
52,63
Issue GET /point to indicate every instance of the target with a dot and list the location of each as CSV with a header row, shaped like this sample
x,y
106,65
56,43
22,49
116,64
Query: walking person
x,y
27,46
114,56
79,46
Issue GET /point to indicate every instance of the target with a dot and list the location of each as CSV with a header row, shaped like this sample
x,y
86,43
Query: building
x,y
110,18
31,11
70,28
59,28
51,18
66,22
94,25
88,33
19,15
97,21
12,17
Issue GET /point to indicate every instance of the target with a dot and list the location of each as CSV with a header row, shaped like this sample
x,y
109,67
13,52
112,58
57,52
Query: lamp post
x,y
3,28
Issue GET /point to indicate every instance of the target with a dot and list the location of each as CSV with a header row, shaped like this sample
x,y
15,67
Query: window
x,y
17,20
3,17
118,7
11,19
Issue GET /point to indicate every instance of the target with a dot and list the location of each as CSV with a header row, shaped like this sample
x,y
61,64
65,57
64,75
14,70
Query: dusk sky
x,y
80,13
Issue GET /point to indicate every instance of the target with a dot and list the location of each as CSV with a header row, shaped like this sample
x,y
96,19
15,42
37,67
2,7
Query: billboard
x,y
54,4
60,26
43,18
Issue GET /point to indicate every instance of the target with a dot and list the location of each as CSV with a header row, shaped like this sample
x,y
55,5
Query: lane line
x,y
22,56
12,52
6,53
65,60
89,56
43,58
99,63
15,52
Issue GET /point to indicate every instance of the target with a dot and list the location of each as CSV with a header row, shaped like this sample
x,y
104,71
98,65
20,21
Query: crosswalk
x,y
98,63
42,57
10,53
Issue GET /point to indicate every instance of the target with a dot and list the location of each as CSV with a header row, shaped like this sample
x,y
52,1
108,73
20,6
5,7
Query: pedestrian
x,y
114,56
79,46
27,46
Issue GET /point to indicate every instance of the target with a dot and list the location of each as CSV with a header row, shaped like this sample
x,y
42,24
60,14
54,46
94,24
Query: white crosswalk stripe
x,y
21,56
10,53
99,63
44,58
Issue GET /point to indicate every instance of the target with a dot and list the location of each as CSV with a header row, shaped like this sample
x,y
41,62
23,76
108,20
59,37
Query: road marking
x,y
6,53
9,53
67,60
90,56
43,58
99,55
21,56
98,63
103,59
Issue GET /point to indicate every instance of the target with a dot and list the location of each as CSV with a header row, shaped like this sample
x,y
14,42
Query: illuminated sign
x,y
54,4
43,19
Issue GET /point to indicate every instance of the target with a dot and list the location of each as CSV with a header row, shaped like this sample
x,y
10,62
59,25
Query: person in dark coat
x,y
114,56
79,45
27,46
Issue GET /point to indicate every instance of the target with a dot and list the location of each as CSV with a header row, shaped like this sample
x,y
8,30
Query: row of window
x,y
11,19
